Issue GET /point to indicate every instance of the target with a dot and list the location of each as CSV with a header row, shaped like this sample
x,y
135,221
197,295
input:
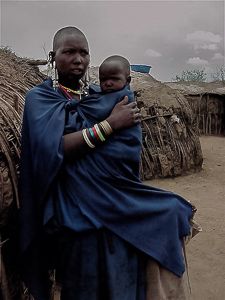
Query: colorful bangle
x,y
85,136
110,130
92,135
95,133
101,136
103,128
106,127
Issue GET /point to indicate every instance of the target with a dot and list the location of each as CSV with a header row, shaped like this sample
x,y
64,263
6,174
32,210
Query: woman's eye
x,y
68,51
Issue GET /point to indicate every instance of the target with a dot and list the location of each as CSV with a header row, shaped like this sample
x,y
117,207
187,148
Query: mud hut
x,y
207,101
17,76
171,146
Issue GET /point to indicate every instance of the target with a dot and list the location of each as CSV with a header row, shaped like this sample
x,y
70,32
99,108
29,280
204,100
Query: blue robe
x,y
104,184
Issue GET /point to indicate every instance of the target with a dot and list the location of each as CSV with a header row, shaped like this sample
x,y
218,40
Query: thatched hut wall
x,y
209,111
207,101
17,76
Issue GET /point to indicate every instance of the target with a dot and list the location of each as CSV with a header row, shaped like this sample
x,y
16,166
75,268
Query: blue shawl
x,y
103,183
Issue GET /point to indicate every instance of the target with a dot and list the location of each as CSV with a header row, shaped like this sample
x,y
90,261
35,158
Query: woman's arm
x,y
122,116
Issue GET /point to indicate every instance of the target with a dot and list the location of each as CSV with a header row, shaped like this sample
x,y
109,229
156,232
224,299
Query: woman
x,y
84,210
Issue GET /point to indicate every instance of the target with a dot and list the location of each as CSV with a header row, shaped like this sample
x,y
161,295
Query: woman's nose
x,y
77,59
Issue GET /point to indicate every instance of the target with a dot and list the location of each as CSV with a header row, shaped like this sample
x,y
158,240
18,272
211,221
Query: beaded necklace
x,y
69,90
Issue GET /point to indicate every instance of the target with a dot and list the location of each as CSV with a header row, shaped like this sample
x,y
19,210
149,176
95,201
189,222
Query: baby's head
x,y
114,73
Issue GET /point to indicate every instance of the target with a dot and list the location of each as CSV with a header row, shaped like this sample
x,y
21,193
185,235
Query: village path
x,y
206,190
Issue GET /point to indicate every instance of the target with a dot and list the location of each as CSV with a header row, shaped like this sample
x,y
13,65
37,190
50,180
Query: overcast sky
x,y
171,36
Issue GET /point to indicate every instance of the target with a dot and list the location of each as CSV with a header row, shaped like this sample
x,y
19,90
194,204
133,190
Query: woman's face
x,y
72,57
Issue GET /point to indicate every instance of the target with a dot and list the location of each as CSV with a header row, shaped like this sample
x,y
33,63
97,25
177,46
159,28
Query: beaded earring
x,y
51,70
87,77
85,81
56,77
49,65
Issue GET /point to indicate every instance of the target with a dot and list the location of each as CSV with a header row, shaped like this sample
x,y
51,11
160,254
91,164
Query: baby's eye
x,y
84,52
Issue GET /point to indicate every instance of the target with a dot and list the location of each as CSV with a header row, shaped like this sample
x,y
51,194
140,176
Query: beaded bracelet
x,y
88,142
106,127
93,137
101,136
96,133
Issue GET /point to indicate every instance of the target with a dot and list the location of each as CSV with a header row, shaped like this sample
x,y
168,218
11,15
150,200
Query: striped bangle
x,y
95,133
101,136
106,127
88,142
103,128
93,137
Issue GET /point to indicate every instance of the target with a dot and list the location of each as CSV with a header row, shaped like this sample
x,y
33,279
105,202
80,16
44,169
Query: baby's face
x,y
112,78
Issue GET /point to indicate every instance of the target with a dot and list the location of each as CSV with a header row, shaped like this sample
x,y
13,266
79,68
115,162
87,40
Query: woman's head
x,y
71,54
114,73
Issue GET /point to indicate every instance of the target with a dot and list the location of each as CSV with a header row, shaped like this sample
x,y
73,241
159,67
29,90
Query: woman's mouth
x,y
77,71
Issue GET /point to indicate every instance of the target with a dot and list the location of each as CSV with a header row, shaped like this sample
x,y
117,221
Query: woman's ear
x,y
51,56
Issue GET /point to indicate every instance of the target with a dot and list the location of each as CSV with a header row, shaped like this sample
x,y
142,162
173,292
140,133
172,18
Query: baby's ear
x,y
128,79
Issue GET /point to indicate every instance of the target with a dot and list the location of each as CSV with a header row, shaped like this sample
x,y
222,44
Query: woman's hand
x,y
124,115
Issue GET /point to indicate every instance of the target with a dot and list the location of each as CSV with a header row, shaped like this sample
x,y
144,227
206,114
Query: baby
x,y
114,74
114,77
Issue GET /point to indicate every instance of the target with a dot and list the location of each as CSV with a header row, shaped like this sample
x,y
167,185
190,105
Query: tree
x,y
219,74
197,75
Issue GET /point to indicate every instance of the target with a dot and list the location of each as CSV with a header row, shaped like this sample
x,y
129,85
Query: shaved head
x,y
117,59
63,32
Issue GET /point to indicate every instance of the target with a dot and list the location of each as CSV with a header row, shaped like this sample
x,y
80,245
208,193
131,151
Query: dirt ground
x,y
206,190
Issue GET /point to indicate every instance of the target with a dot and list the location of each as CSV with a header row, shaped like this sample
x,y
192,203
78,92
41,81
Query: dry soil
x,y
206,190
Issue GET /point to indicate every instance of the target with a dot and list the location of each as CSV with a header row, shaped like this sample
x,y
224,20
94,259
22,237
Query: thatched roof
x,y
198,88
17,76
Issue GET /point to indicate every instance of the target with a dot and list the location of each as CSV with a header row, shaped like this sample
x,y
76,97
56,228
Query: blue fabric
x,y
99,266
104,184
92,265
